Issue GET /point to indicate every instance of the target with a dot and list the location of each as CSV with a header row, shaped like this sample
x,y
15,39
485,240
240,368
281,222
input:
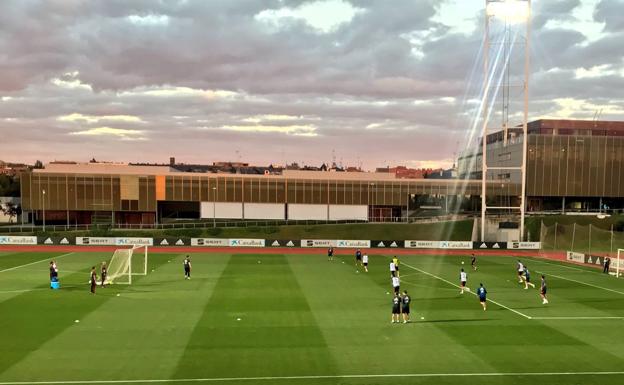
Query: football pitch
x,y
301,319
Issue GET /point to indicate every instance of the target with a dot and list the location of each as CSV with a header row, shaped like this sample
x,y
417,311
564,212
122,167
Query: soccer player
x,y
405,304
365,262
543,291
396,308
330,253
520,271
607,263
187,267
396,284
481,292
473,262
527,279
53,271
93,280
394,272
463,278
395,260
358,257
103,271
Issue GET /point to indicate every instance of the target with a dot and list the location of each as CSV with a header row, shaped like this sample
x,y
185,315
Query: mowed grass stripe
x,y
152,318
31,319
277,334
353,311
513,340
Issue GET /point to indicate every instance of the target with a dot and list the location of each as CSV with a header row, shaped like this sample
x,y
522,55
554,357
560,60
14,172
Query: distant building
x,y
7,168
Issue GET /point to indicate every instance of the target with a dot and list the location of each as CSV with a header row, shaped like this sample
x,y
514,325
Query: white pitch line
x,y
576,318
582,283
560,265
32,263
320,377
471,292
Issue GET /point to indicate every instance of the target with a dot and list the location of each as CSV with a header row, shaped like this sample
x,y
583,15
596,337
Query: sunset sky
x,y
378,82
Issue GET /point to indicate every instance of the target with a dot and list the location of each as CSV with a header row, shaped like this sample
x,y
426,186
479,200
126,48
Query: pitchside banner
x,y
490,245
422,244
110,241
575,257
17,240
281,243
172,241
353,243
318,243
597,260
387,243
246,242
524,245
210,242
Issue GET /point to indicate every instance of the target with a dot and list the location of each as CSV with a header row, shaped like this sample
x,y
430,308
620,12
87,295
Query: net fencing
x,y
587,239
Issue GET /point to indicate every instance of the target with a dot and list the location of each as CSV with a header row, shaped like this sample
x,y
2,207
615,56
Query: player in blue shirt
x,y
527,279
481,292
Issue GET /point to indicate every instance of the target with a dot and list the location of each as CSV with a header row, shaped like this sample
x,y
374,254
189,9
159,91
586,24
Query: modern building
x,y
572,165
114,193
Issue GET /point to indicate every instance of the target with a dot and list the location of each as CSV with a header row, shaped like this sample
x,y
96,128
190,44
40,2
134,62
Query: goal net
x,y
125,263
616,267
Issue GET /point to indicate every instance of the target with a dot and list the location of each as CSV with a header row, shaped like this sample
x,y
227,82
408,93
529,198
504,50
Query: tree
x,y
38,164
11,210
9,186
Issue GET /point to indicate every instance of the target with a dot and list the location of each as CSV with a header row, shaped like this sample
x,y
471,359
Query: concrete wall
x,y
348,212
223,210
265,211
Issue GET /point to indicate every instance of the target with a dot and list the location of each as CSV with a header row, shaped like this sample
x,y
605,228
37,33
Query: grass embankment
x,y
454,231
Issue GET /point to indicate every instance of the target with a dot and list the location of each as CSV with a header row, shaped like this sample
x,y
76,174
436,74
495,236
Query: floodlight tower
x,y
505,100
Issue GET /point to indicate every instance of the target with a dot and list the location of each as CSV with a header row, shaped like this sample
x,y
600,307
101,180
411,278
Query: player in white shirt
x,y
520,272
365,262
463,278
395,284
393,269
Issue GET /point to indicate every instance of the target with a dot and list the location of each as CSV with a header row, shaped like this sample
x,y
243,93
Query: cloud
x,y
76,117
110,131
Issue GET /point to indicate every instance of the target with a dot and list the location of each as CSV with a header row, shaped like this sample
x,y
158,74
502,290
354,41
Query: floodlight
x,y
512,11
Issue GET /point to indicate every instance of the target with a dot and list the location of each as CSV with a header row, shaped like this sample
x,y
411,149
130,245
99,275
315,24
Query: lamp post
x,y
214,205
43,191
370,206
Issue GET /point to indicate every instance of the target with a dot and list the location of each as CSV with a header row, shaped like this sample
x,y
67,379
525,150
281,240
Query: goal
x,y
125,263
617,265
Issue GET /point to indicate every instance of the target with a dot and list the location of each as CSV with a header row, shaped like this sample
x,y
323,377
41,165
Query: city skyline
x,y
281,81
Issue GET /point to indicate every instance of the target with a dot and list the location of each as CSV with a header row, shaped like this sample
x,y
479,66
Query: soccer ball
x,y
462,262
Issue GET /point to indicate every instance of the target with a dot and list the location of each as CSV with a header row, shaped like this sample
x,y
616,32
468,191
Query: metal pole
x,y
525,138
484,101
590,226
573,235
44,210
555,246
611,249
214,206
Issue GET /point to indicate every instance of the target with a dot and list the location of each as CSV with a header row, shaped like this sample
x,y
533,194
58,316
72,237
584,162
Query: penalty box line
x,y
471,292
581,282
320,377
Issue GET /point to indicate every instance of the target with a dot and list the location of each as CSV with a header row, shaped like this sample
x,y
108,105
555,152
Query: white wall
x,y
312,212
265,211
351,212
223,210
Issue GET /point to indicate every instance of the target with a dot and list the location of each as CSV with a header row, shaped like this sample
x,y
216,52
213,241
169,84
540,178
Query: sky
x,y
370,83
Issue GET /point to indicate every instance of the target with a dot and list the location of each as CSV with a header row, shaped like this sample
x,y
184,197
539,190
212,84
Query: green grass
x,y
302,315
454,231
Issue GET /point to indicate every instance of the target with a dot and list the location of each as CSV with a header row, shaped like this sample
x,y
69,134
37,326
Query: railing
x,y
29,228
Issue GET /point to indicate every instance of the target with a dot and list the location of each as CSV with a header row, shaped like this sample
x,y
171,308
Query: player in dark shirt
x,y
93,280
396,308
330,253
187,267
358,257
473,262
103,272
405,306
543,291
481,292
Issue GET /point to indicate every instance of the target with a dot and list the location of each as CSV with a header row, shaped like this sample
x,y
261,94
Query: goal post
x,y
617,266
125,263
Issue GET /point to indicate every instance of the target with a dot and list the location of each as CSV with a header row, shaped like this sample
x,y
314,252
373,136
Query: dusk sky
x,y
380,82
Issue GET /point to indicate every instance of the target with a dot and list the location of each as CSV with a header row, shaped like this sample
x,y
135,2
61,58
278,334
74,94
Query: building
x,y
572,165
130,194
